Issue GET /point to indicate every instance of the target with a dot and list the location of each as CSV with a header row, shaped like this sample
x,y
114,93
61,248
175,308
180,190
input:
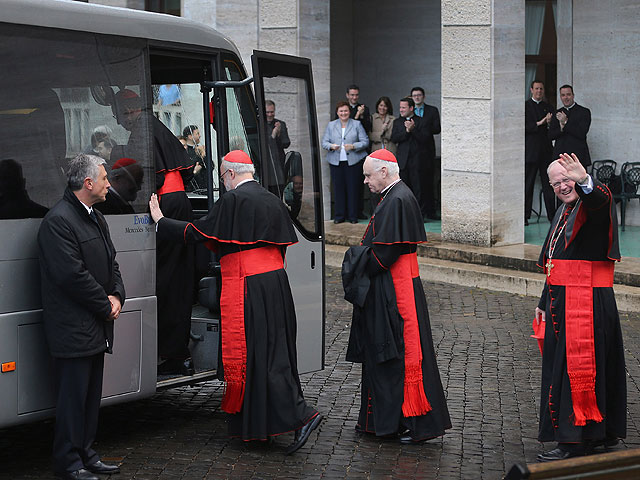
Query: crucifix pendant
x,y
549,266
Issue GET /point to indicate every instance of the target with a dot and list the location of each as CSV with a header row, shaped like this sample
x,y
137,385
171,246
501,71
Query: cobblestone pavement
x,y
489,366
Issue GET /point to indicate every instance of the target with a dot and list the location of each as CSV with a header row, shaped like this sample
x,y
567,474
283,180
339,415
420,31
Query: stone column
x,y
483,121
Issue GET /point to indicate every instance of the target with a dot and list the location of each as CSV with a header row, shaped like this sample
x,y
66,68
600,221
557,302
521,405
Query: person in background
x,y
537,150
569,127
346,142
169,94
381,126
429,171
278,140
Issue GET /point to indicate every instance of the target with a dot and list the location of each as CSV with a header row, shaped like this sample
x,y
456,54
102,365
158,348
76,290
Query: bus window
x,y
50,112
241,117
296,187
179,107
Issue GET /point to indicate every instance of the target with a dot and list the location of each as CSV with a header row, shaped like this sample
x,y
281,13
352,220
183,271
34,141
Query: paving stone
x,y
490,369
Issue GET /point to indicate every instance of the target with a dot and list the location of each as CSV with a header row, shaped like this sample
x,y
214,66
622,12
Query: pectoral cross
x,y
549,266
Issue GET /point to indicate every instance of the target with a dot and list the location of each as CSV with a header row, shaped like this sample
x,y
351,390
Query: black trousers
x,y
530,171
410,175
427,188
346,190
78,383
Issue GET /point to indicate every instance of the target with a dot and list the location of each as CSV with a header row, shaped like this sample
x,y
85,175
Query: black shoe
x,y
526,222
103,468
174,366
559,453
81,474
188,368
606,443
407,439
302,434
338,221
353,221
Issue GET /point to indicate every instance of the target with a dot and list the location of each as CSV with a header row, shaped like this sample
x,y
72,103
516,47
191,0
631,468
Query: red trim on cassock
x,y
177,169
237,242
235,268
172,183
579,277
403,271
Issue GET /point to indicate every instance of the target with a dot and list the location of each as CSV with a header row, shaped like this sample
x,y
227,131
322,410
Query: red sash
x,y
580,277
235,267
172,183
403,271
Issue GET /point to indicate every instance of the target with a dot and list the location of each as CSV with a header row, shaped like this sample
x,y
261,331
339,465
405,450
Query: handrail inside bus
x,y
228,83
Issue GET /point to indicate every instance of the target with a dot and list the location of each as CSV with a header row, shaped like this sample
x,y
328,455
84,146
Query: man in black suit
x,y
429,176
82,295
411,134
570,126
277,139
359,112
537,150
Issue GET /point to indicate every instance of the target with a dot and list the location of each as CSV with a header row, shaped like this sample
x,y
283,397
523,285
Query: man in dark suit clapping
x,y
411,135
537,149
570,126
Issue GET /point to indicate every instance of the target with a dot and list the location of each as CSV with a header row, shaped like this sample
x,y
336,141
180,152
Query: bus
x,y
63,63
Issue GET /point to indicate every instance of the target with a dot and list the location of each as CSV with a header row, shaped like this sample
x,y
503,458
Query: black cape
x,y
591,234
245,218
376,338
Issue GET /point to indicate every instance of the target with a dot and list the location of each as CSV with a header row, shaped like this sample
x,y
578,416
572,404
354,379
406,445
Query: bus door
x,y
289,166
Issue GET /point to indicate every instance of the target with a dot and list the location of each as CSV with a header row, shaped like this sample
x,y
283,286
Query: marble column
x,y
483,121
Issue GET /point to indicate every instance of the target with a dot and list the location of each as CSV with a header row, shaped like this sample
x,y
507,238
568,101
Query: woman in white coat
x,y
346,143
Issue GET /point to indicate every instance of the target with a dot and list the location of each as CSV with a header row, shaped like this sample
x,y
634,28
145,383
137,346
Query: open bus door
x,y
296,179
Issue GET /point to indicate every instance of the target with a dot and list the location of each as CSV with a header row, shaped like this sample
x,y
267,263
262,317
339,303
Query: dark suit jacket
x,y
413,147
78,270
573,139
431,118
537,145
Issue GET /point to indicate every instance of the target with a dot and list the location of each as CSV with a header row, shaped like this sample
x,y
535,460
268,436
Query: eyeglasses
x,y
565,181
225,172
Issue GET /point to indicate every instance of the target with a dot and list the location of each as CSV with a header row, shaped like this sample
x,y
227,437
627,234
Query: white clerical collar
x,y
537,101
245,181
572,105
386,189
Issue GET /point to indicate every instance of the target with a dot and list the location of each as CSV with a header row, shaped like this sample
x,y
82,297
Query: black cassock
x,y
591,233
376,338
174,261
246,218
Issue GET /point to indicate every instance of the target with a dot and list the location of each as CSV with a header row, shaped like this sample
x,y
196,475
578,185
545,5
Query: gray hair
x,y
552,164
238,167
81,167
392,167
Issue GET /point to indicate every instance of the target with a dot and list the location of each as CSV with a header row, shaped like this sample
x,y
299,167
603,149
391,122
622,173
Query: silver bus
x,y
63,62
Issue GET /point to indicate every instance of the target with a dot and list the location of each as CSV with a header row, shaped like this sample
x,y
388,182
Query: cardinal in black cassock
x,y
174,262
249,228
390,333
583,398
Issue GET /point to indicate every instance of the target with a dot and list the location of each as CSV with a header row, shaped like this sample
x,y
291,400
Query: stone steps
x,y
488,277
